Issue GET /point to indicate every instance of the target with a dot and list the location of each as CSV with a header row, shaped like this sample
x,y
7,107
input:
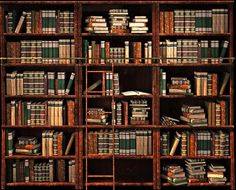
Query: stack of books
x,y
139,24
96,24
118,20
179,86
139,112
27,146
215,174
174,174
96,116
169,121
195,170
193,116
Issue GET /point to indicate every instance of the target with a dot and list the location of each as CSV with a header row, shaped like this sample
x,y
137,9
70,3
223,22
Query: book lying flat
x,y
134,93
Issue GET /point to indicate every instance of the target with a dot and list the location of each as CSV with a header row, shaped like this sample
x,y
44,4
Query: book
x,y
224,83
69,84
72,137
135,93
20,23
175,143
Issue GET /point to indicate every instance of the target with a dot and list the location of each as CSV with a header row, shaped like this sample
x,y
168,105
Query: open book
x,y
134,93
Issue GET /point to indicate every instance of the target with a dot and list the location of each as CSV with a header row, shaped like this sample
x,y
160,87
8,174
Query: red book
x,y
125,113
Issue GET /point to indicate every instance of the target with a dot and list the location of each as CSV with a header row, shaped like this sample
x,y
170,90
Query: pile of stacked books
x,y
174,174
139,112
27,146
195,170
139,24
118,20
180,86
215,174
96,116
96,24
193,116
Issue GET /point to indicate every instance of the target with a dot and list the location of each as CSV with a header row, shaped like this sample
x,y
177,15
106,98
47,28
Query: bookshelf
x,y
129,83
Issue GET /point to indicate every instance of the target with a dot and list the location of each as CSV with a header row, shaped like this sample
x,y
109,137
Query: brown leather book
x,y
125,112
214,84
60,144
72,138
19,112
166,22
61,177
107,54
192,144
162,22
31,170
171,22
222,106
71,112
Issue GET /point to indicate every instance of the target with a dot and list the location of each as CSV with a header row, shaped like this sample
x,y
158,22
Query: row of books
x,y
119,22
29,170
53,143
191,50
189,20
195,171
134,52
205,84
38,83
51,112
41,51
40,21
195,143
126,142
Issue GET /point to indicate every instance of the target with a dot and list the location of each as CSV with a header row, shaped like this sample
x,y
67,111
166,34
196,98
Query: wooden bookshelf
x,y
109,168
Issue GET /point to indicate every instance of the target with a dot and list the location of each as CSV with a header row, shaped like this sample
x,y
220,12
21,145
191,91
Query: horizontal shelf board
x,y
194,157
41,96
115,35
100,176
37,65
41,126
40,2
98,126
133,126
196,65
101,183
189,127
39,157
96,96
200,34
41,184
192,96
134,183
64,35
109,156
98,156
199,184
120,65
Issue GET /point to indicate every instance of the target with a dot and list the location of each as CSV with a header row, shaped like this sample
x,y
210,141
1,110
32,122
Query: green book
x,y
85,50
70,82
225,45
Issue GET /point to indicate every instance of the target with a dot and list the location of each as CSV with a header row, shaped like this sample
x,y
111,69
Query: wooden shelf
x,y
201,184
134,184
40,157
41,184
196,157
120,65
31,35
102,183
41,97
189,127
110,156
116,35
196,65
195,34
40,127
192,96
54,66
